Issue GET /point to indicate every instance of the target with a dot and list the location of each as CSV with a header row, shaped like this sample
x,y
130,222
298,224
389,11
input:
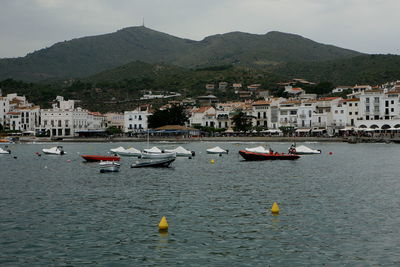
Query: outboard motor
x,y
193,153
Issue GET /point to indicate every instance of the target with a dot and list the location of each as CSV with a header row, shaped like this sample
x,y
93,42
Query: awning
x,y
318,130
304,130
348,129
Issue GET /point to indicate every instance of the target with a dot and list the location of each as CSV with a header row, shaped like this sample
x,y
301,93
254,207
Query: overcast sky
x,y
370,26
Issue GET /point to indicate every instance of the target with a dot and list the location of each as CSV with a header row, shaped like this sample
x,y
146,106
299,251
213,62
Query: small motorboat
x,y
180,152
156,163
131,152
5,151
303,150
109,166
166,155
247,155
56,150
217,150
153,150
96,158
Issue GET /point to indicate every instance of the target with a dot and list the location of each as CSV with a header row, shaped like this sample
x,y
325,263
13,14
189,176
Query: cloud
x,y
363,25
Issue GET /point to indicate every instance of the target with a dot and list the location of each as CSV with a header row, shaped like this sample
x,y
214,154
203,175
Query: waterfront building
x,y
203,116
379,109
261,113
136,121
114,119
24,119
288,113
64,120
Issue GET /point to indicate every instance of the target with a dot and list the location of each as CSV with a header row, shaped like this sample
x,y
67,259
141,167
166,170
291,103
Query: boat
x,y
156,163
109,166
96,158
303,150
166,155
258,149
152,150
5,151
56,150
217,150
247,155
180,152
131,152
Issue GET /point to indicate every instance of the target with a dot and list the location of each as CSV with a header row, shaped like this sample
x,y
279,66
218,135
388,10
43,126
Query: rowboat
x,y
109,166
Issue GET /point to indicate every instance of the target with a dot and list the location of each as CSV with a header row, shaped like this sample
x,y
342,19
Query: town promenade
x,y
216,139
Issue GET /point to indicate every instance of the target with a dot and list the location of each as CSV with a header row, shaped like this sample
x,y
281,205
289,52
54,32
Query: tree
x,y
113,130
176,115
242,122
287,130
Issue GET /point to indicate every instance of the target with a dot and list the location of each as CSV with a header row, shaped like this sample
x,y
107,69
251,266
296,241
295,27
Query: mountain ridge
x,y
88,55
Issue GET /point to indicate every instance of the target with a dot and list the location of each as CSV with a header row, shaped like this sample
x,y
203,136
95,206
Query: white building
x,y
203,116
379,109
262,113
136,120
24,119
64,120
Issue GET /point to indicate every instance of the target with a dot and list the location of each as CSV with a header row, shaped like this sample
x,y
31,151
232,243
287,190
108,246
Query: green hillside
x,y
365,69
89,55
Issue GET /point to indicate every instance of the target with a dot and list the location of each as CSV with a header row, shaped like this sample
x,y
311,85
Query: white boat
x,y
167,155
56,150
132,152
109,166
303,150
180,152
258,149
5,151
152,150
217,150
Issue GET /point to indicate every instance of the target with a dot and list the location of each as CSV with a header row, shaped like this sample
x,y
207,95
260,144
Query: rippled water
x,y
339,209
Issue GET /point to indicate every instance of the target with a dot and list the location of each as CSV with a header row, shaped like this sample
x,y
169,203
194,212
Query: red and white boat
x,y
96,158
248,155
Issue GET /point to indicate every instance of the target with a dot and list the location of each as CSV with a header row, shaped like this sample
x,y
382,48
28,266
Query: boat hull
x,y
158,155
162,163
96,158
266,156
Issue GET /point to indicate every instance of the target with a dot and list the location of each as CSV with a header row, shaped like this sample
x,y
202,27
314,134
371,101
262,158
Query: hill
x,y
89,55
364,69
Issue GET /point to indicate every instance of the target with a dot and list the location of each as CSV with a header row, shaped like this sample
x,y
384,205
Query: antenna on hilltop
x,y
143,23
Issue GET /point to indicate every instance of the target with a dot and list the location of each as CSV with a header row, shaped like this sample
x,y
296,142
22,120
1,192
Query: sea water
x,y
339,208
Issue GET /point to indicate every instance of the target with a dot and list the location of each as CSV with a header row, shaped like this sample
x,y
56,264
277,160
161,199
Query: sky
x,y
369,26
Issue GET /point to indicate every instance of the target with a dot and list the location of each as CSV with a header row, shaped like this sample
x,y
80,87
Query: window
x,y
392,110
367,100
350,104
342,111
350,113
392,102
366,108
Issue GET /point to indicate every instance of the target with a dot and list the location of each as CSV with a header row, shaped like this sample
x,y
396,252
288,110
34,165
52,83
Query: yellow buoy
x,y
163,225
275,208
212,161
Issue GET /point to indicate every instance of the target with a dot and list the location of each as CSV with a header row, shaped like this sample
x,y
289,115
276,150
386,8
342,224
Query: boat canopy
x,y
258,149
179,150
216,149
152,150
